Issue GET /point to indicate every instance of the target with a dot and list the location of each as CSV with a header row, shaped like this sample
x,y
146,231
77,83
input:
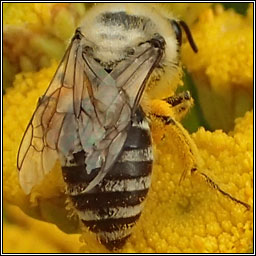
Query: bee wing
x,y
84,108
53,117
115,99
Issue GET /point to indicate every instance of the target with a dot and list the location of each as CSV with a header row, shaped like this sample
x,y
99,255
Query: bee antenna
x,y
189,35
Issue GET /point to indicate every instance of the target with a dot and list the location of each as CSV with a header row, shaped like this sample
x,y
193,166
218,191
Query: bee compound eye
x,y
177,30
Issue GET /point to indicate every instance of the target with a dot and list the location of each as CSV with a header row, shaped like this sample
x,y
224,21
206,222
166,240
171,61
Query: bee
x,y
94,120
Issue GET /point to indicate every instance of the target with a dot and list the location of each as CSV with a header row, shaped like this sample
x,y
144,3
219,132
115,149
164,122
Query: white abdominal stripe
x,y
110,213
142,125
125,185
136,184
114,235
137,155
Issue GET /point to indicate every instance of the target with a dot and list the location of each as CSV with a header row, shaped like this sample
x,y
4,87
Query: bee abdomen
x,y
113,228
112,208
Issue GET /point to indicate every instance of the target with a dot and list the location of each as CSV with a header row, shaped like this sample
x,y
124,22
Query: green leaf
x,y
239,7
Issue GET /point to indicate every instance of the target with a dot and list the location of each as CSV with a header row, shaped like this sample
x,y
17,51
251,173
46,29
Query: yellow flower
x,y
223,68
185,11
43,30
23,234
187,218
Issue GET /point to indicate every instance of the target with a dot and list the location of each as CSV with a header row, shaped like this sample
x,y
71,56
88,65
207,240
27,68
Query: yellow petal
x,y
223,68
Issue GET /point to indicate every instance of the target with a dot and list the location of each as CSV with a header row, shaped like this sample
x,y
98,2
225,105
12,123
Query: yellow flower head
x,y
43,30
23,234
186,217
190,217
223,67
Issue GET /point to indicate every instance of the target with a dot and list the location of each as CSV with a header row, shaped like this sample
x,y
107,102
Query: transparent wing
x,y
84,108
114,99
43,137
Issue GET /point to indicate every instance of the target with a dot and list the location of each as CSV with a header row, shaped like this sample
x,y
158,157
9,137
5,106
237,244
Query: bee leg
x,y
180,104
183,142
190,155
215,186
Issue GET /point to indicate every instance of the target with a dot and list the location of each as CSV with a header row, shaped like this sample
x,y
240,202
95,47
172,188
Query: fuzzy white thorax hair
x,y
113,29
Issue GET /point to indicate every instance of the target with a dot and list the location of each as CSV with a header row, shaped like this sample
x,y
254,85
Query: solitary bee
x,y
95,117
